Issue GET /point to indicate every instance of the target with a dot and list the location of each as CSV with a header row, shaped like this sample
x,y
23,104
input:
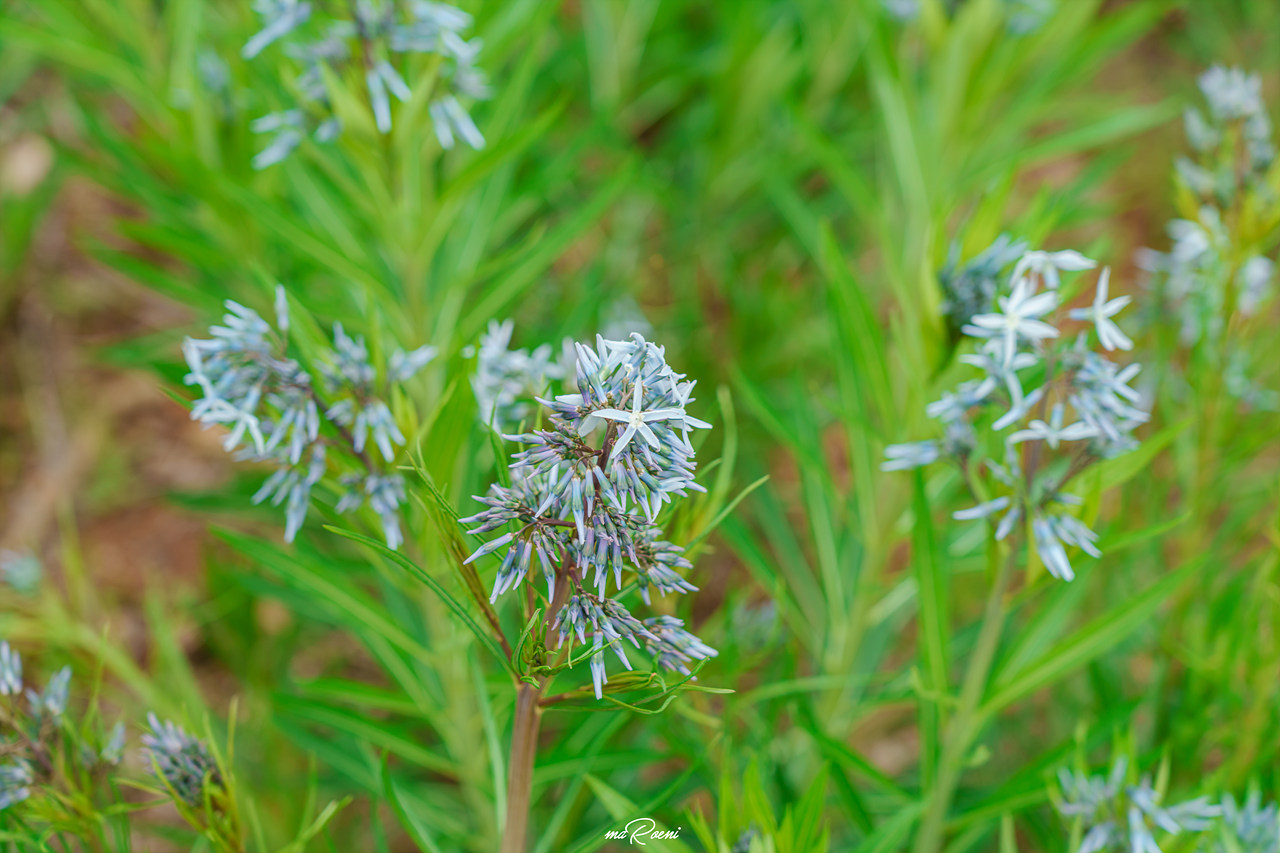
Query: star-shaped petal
x,y
638,420
1100,314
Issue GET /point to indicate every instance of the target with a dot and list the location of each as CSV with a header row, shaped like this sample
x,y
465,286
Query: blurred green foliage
x,y
776,184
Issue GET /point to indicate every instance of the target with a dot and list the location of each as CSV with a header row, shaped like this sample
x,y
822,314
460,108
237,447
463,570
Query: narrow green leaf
x,y
1092,640
453,604
931,626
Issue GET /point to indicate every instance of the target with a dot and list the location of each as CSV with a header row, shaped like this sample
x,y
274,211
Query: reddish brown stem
x,y
524,749
524,737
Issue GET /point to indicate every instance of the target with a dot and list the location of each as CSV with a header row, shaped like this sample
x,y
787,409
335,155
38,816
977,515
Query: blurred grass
x,y
776,184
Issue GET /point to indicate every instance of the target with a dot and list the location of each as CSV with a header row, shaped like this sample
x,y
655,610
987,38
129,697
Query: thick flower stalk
x,y
370,40
584,500
275,412
1040,409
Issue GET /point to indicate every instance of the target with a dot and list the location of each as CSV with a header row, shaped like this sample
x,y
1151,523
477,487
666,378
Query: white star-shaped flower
x,y
1048,264
1053,432
1100,314
1019,315
637,420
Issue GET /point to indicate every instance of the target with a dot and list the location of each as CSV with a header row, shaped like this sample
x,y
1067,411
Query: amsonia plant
x,y
580,505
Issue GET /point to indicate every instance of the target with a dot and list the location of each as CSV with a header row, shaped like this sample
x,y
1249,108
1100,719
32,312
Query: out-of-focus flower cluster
x,y
1220,265
507,381
181,761
1023,16
60,774
743,844
584,500
1125,817
275,412
1245,827
33,738
371,39
1237,119
970,288
1040,408
20,570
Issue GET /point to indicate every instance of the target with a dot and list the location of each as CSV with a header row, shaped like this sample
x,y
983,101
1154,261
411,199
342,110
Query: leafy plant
x,y
808,204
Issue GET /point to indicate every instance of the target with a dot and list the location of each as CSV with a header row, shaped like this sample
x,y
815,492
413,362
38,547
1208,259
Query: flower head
x,y
16,780
1246,827
1054,433
506,380
1214,269
52,703
274,412
971,288
1048,265
1231,92
1080,410
20,570
182,761
1124,817
584,499
328,40
1018,320
916,454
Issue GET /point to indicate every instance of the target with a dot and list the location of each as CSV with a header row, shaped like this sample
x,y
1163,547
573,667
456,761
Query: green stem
x,y
965,724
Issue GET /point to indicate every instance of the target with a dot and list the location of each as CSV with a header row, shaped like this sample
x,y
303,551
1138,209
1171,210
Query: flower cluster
x,y
369,37
506,381
1248,827
180,760
1237,115
20,570
52,765
275,412
743,844
1220,263
1040,409
970,288
1023,16
584,499
15,783
45,706
32,734
1124,817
